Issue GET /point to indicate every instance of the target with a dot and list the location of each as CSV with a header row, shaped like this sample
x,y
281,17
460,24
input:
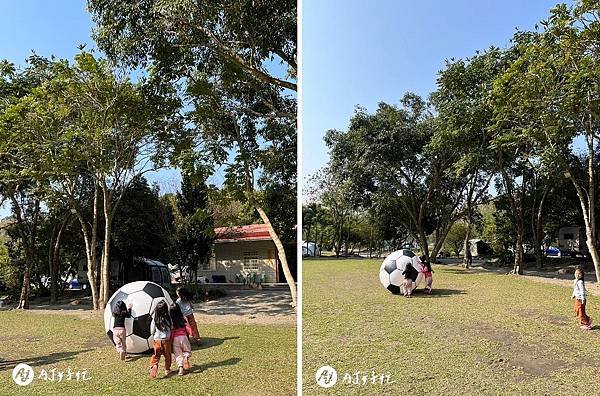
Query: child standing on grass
x,y
120,312
585,323
181,344
408,273
185,303
160,328
428,274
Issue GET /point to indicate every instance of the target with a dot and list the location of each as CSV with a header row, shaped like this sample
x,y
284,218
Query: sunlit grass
x,y
479,333
234,360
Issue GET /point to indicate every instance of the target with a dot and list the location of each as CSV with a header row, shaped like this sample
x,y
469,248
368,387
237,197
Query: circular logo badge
x,y
326,376
23,374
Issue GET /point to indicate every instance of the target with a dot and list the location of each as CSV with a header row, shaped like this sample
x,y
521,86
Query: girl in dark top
x,y
409,274
120,312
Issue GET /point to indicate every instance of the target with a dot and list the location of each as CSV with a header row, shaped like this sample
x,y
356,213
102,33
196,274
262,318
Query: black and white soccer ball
x,y
390,272
143,296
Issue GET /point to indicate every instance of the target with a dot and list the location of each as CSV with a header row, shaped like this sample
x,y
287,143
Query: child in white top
x,y
585,323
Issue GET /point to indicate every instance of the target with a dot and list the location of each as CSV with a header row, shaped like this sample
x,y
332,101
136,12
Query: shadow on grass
x,y
209,365
209,342
41,360
420,293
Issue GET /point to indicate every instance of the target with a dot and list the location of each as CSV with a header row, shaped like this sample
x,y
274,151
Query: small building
x,y
572,239
479,247
310,249
242,250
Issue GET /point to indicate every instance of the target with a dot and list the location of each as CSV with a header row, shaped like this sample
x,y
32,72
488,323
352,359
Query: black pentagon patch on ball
x,y
390,267
153,290
141,326
120,296
109,333
394,289
408,253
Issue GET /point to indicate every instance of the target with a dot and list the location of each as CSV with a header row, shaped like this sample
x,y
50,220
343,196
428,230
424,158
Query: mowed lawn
x,y
234,360
479,333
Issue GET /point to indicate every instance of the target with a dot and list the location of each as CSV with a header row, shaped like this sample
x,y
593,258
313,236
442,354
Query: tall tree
x,y
229,57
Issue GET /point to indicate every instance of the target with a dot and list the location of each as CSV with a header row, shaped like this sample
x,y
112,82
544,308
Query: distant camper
x,y
139,269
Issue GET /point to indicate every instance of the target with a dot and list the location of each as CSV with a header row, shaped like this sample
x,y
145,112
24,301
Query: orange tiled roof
x,y
252,232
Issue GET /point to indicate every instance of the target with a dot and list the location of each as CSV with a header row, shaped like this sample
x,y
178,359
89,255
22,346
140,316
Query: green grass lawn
x,y
479,333
234,360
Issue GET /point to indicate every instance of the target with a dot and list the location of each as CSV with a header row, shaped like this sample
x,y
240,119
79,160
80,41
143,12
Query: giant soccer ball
x,y
143,296
390,272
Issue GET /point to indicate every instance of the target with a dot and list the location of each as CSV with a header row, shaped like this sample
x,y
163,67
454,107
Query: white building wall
x,y
243,257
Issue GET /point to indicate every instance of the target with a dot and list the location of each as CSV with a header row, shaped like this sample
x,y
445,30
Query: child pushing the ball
x,y
181,343
160,328
427,274
185,303
120,312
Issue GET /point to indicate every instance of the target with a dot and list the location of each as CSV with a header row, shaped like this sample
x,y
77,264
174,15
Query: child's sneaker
x,y
167,372
153,371
186,363
181,371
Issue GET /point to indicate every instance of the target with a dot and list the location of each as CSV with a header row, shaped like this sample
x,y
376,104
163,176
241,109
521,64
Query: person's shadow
x,y
437,293
209,342
209,365
41,360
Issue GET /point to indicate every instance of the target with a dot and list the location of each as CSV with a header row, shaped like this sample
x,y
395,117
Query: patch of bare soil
x,y
543,316
494,334
532,365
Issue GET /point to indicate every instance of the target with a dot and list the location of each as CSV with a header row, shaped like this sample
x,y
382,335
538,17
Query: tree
x,y
194,225
464,116
389,151
558,86
237,38
221,52
138,229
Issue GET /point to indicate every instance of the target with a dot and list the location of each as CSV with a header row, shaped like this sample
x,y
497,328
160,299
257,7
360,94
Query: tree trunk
x,y
90,244
29,247
466,244
25,288
280,252
537,231
53,282
55,260
518,266
105,266
587,209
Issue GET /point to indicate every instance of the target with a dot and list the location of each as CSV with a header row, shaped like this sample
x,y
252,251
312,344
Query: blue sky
x,y
361,53
57,28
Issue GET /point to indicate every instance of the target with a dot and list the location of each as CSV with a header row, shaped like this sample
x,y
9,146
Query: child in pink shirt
x,y
181,344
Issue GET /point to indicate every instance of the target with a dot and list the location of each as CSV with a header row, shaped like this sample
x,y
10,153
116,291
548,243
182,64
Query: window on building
x,y
251,261
205,266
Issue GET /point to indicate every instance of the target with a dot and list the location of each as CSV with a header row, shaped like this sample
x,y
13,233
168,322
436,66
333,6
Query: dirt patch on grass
x,y
544,316
537,366
495,334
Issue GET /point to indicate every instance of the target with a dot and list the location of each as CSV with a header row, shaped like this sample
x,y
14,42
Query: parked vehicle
x,y
139,269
